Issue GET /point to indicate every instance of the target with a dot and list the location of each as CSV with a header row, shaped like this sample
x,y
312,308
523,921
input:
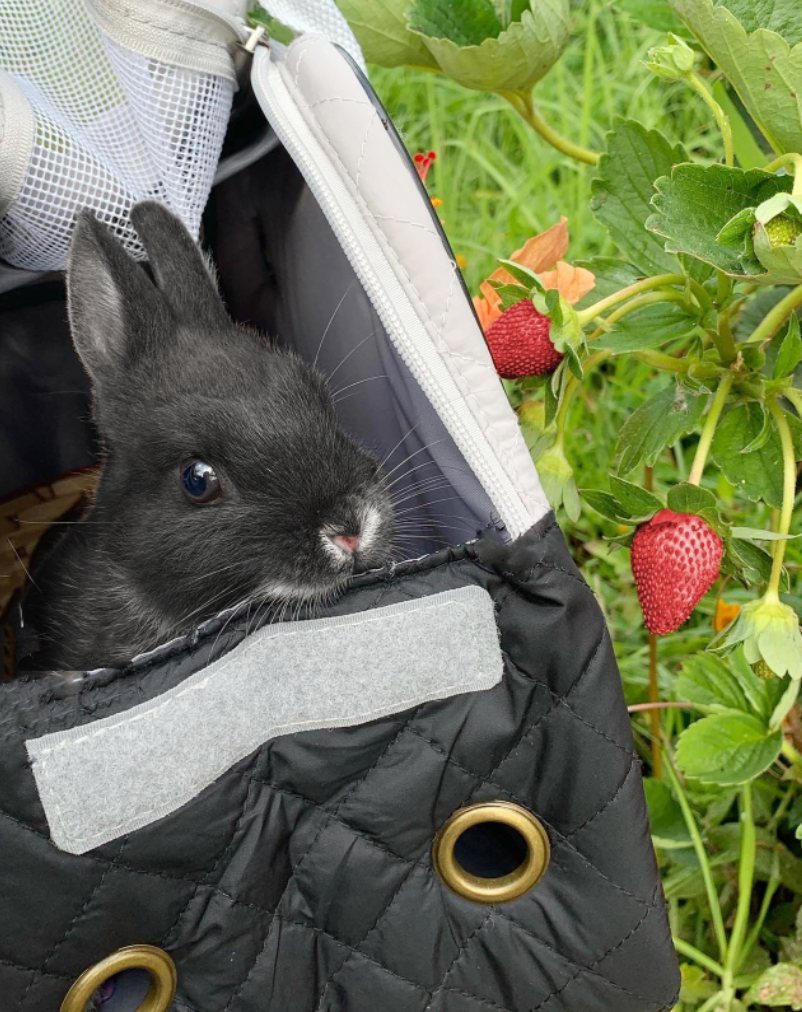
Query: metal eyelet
x,y
506,887
159,965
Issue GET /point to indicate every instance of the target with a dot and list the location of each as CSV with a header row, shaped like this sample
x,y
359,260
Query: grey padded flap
x,y
108,778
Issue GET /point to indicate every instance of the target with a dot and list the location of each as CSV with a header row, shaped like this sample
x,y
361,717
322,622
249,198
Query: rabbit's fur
x,y
173,378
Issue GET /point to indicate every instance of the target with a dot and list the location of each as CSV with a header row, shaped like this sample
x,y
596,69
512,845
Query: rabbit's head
x,y
226,473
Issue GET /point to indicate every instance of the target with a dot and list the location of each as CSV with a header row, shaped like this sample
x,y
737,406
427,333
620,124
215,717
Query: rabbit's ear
x,y
184,276
114,308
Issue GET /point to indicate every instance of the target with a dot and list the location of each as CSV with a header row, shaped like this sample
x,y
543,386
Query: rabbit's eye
x,y
199,481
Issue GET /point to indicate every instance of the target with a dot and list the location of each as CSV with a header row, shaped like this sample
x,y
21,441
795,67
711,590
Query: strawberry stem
x,y
523,105
669,295
585,316
792,158
776,317
746,874
789,493
709,428
701,89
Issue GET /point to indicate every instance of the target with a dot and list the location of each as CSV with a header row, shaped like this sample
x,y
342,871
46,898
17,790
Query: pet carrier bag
x,y
424,799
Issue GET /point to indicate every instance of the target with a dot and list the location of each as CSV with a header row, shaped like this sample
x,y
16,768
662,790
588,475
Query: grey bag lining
x,y
100,781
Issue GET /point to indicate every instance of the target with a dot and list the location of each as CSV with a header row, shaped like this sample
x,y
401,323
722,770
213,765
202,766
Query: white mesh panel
x,y
111,127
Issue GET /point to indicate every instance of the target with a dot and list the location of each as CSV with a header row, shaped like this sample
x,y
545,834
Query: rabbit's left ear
x,y
115,311
182,273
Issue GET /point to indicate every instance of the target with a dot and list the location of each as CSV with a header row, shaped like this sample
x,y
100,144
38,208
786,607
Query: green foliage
x,y
623,187
685,393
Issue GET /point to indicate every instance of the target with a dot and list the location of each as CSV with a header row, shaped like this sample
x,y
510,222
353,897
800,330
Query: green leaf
x,y
510,295
635,500
765,431
709,682
665,816
783,264
763,67
381,29
778,987
757,475
753,563
623,187
695,203
648,327
790,352
634,158
658,422
727,748
465,22
756,534
605,504
522,275
685,498
479,54
653,13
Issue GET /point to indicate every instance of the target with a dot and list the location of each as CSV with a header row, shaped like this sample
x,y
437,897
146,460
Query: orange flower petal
x,y
725,613
573,283
488,309
540,253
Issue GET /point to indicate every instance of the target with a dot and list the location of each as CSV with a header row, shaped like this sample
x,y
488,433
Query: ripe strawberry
x,y
519,342
675,559
782,230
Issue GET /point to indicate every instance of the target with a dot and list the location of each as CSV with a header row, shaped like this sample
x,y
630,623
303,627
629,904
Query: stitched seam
x,y
217,862
371,121
413,224
303,857
466,942
34,969
69,929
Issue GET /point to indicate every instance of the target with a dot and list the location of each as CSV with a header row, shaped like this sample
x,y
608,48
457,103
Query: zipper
x,y
415,349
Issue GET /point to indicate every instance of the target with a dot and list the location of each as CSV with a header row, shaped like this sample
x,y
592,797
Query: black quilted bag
x,y
277,805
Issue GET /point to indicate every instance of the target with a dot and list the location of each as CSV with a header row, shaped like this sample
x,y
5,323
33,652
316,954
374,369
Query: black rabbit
x,y
226,475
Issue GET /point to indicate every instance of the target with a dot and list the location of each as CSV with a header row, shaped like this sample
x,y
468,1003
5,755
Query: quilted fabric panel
x,y
307,883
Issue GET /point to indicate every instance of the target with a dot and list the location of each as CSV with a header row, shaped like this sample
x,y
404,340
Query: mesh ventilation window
x,y
110,126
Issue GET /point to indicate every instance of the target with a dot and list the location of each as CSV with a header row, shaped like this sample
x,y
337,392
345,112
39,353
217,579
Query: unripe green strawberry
x,y
762,670
782,230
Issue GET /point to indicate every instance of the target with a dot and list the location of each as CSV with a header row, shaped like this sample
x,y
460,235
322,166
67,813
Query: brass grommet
x,y
159,965
506,887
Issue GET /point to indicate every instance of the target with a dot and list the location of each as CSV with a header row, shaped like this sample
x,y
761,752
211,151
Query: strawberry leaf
x,y
623,188
749,563
635,500
382,31
727,748
763,67
665,816
790,352
708,682
470,44
611,274
648,327
779,985
757,474
687,498
658,423
606,504
522,275
696,202
510,295
755,534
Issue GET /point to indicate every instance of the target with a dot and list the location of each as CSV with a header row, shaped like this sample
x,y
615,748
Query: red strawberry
x,y
675,559
519,342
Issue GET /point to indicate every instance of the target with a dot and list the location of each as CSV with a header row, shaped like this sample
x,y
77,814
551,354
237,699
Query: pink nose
x,y
349,542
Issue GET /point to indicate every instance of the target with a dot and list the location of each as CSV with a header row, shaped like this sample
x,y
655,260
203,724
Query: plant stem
x,y
700,87
795,397
704,864
686,949
708,431
792,158
723,287
711,1003
523,105
789,493
658,281
659,360
654,700
746,875
648,299
637,707
776,317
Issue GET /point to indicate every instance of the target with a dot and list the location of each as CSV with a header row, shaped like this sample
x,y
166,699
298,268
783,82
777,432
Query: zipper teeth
x,y
508,503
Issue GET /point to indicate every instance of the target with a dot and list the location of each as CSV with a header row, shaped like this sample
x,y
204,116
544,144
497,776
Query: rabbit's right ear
x,y
114,309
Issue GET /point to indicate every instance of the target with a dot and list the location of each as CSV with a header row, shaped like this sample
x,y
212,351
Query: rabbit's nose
x,y
348,542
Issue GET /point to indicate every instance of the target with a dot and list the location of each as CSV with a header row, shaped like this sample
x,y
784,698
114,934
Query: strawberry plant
x,y
692,301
